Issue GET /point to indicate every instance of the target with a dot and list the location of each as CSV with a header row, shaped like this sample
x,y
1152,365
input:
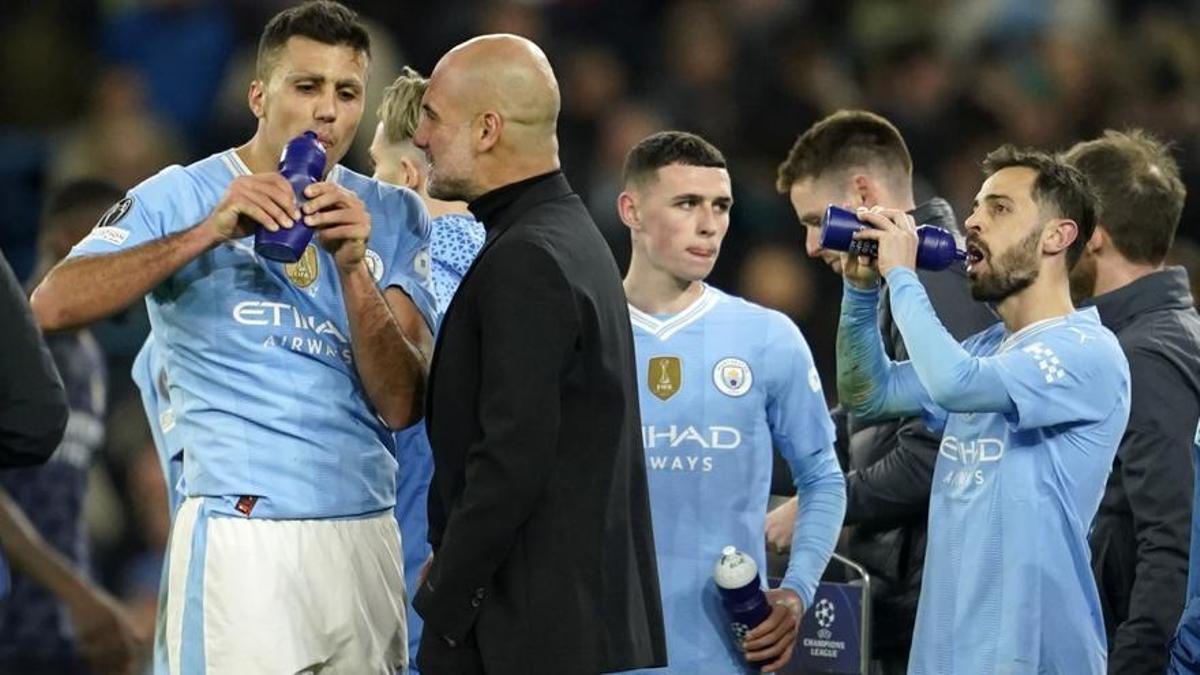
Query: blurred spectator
x,y
119,139
55,618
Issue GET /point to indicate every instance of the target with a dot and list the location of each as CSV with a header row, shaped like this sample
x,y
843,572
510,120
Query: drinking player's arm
x,y
941,376
529,327
390,338
1014,381
804,435
139,243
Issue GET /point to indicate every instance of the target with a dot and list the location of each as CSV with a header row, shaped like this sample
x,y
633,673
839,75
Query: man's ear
x,y
1098,241
255,98
412,173
1059,236
627,209
490,124
864,190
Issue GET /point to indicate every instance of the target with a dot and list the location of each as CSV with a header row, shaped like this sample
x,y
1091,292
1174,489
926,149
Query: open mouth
x,y
975,254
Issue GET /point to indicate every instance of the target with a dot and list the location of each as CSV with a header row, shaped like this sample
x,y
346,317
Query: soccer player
x,y
857,158
1032,410
724,380
455,238
286,381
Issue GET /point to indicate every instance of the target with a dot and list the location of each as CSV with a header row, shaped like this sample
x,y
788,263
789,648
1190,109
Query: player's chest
x,y
698,373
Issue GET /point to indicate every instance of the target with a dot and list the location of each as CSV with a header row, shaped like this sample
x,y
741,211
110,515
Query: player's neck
x,y
658,293
255,155
1048,297
438,208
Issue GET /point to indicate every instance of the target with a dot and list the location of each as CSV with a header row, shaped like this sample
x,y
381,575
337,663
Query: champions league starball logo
x,y
824,613
740,631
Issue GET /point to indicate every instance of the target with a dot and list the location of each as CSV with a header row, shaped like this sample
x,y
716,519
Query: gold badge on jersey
x,y
665,376
304,271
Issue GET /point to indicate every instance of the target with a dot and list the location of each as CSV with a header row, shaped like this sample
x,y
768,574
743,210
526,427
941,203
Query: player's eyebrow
x,y
811,219
696,197
319,79
991,197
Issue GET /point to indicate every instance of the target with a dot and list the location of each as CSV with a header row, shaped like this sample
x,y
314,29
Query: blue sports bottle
x,y
936,249
302,164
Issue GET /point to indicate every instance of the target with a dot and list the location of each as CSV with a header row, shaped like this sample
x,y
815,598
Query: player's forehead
x,y
676,179
812,195
1012,184
302,57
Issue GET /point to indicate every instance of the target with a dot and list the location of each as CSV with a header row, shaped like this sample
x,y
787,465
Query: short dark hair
x,y
1059,187
325,21
845,139
666,148
1139,195
81,193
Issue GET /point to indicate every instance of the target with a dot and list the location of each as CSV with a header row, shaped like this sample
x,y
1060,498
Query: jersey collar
x,y
663,329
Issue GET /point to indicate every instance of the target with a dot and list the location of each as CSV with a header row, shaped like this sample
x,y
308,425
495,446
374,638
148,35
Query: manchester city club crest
x,y
303,273
732,377
374,265
665,376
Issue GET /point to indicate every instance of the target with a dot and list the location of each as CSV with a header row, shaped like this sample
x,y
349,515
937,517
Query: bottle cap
x,y
734,569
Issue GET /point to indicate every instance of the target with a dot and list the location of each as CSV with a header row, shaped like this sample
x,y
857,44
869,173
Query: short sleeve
x,y
149,211
409,268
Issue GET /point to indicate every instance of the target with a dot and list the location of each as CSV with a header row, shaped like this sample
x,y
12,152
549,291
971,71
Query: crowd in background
x,y
119,89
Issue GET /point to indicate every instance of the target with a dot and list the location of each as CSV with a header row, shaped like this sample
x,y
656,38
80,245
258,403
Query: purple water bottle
x,y
741,592
302,164
936,249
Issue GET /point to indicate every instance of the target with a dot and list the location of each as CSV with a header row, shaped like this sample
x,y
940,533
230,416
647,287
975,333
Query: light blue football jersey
x,y
150,375
454,241
266,399
1007,585
720,383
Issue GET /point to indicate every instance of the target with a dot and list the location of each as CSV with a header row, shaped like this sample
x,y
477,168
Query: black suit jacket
x,y
539,512
33,403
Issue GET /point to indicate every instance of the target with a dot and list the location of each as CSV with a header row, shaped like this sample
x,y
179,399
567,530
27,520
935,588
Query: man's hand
x,y
781,523
774,639
261,199
896,233
859,271
106,634
341,220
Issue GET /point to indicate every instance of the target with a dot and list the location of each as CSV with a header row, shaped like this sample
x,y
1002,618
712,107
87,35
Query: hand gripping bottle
x,y
741,592
302,164
936,249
